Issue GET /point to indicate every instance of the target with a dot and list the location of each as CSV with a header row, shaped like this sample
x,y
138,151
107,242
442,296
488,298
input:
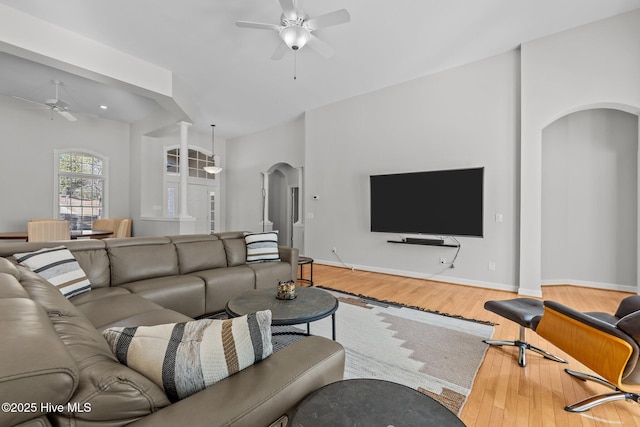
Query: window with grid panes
x,y
197,161
80,189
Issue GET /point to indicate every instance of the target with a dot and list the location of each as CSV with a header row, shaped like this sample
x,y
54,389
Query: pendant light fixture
x,y
213,169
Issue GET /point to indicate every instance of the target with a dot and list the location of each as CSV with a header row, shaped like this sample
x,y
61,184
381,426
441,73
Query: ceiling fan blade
x,y
329,19
280,51
289,9
67,115
321,47
28,100
258,25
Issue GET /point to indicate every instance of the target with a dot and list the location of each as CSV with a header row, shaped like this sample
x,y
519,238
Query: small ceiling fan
x,y
296,28
55,104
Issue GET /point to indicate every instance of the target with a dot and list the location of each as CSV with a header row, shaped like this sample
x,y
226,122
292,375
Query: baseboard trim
x,y
487,285
590,284
425,276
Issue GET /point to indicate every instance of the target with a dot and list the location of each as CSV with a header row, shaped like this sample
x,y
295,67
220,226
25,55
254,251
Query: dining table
x,y
75,234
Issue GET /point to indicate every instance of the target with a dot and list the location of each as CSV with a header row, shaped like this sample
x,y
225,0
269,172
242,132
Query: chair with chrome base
x,y
526,312
605,343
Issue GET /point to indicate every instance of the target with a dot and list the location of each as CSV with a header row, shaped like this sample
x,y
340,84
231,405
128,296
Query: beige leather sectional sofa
x,y
57,369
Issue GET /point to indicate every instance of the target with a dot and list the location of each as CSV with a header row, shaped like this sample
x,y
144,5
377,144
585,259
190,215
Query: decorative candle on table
x,y
286,290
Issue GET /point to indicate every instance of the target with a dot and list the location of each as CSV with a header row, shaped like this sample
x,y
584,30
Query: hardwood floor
x,y
504,394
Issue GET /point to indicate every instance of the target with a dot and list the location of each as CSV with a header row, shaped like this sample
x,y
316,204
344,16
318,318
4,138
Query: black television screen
x,y
444,202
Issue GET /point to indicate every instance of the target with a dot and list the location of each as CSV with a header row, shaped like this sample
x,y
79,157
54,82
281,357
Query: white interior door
x,y
200,207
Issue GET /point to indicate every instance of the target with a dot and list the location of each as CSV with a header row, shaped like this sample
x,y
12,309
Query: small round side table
x,y
302,261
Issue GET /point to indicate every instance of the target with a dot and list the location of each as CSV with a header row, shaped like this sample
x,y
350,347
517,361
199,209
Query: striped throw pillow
x,y
262,247
59,267
184,358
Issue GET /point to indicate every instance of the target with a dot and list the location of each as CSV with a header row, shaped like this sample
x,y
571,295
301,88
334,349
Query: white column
x,y
300,206
184,169
264,222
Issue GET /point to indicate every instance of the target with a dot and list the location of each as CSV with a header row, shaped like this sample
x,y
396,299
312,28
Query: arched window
x,y
80,187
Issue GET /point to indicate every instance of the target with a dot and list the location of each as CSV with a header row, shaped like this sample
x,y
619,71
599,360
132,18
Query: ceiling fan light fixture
x,y
295,36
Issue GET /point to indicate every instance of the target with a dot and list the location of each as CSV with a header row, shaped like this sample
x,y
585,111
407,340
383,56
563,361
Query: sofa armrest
x,y
290,256
261,393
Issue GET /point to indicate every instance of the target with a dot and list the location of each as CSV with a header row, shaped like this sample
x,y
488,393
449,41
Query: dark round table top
x,y
311,304
371,403
304,260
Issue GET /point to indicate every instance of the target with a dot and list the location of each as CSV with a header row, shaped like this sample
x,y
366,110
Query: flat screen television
x,y
442,202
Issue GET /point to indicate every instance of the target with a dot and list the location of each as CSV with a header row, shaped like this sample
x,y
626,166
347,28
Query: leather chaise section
x,y
26,376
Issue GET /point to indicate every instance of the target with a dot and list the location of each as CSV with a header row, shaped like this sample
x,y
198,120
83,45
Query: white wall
x,y
246,158
460,118
596,65
589,199
28,139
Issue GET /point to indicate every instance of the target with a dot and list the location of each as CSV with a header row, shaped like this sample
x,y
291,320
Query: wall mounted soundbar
x,y
424,242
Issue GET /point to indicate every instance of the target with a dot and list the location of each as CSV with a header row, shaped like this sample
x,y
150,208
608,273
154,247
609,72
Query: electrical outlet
x,y
443,260
491,266
334,250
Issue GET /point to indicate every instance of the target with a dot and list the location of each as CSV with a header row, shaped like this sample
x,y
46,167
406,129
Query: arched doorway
x,y
589,192
282,204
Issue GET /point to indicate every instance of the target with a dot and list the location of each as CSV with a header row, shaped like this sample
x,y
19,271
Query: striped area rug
x,y
436,354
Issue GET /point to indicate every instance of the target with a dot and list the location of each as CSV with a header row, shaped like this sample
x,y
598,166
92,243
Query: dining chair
x,y
105,224
124,228
48,230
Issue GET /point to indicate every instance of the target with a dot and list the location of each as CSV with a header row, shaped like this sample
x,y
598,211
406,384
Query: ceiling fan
x,y
55,104
296,28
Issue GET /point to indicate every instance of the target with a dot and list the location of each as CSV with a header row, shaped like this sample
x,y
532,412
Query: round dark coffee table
x,y
311,304
371,403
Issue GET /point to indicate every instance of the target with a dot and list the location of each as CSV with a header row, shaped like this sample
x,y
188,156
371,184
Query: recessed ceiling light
x,y
104,107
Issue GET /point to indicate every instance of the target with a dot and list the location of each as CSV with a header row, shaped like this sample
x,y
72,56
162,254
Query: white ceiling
x,y
228,72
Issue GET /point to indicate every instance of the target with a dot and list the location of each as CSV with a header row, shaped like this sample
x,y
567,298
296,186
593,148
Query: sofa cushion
x,y
197,256
184,294
59,267
92,257
268,274
262,247
140,258
105,311
184,358
236,251
97,294
222,284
